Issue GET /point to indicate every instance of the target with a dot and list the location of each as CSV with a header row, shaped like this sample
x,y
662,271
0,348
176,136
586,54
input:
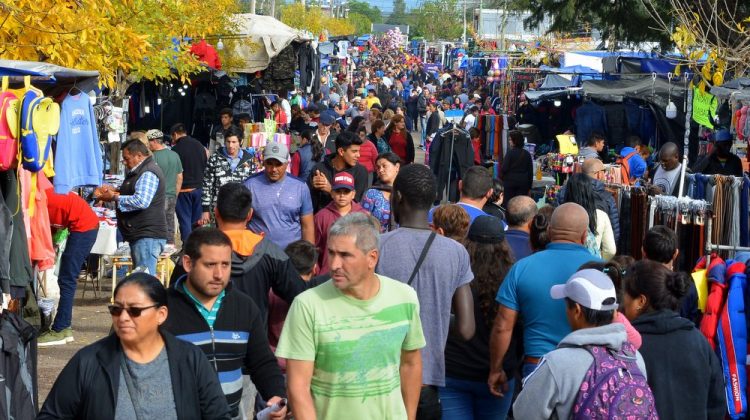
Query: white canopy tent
x,y
269,35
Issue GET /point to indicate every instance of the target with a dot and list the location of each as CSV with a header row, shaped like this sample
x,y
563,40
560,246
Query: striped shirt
x,y
208,315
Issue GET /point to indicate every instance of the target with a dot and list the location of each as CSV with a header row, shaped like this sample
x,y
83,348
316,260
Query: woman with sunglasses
x,y
139,372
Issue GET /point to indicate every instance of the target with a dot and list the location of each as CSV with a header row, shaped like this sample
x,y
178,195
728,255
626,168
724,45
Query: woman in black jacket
x,y
517,171
139,371
683,371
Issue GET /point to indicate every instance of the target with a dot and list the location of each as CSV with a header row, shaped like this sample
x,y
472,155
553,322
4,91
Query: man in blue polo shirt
x,y
520,214
282,207
476,189
525,293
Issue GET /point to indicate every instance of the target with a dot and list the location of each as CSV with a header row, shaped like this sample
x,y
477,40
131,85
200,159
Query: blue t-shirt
x,y
474,212
518,241
278,207
526,290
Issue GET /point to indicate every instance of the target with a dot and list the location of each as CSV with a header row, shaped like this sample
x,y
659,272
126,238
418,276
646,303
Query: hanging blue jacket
x,y
590,117
732,340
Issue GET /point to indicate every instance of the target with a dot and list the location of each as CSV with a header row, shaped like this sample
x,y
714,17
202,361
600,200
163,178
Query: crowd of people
x,y
331,283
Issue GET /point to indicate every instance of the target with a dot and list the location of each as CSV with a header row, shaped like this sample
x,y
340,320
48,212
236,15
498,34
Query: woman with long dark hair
x,y
307,156
467,363
400,139
683,371
580,190
517,172
377,200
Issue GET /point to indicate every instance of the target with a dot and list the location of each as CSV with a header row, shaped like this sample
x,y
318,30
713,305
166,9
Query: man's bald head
x,y
569,223
669,156
521,211
592,167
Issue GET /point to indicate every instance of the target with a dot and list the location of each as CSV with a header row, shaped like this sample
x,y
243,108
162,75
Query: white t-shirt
x,y
287,109
469,121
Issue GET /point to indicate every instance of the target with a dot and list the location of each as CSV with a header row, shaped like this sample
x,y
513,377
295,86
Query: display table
x,y
122,259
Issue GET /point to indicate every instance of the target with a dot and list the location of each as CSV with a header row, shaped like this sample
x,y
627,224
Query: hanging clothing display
x,y
18,367
21,272
590,117
451,154
279,76
705,106
78,157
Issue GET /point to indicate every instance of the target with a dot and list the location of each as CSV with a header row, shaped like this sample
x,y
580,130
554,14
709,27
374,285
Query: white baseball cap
x,y
589,288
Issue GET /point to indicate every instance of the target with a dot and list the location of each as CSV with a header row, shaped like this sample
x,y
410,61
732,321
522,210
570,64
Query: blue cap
x,y
326,118
722,135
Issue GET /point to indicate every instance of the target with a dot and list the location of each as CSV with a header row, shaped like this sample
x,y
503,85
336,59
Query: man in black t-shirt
x,y
193,157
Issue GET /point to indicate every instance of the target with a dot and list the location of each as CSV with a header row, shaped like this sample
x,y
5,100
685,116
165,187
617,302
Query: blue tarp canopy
x,y
570,70
362,40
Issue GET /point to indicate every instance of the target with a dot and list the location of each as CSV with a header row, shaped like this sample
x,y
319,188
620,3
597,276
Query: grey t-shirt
x,y
153,388
666,179
444,270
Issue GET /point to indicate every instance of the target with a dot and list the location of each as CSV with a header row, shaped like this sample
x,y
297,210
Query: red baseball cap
x,y
343,180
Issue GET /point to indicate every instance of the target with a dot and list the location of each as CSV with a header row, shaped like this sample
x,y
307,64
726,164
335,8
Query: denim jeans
x,y
463,400
423,128
145,253
77,249
188,209
169,210
527,369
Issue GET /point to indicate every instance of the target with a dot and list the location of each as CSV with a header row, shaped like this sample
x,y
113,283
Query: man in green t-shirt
x,y
352,344
171,166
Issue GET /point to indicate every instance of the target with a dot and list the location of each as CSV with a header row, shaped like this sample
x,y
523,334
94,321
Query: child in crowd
x,y
304,258
476,144
451,221
342,192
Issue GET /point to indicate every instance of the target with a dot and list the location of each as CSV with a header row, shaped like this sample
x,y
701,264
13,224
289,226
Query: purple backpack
x,y
614,387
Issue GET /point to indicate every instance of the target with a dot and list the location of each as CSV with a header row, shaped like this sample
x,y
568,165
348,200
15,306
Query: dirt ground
x,y
91,321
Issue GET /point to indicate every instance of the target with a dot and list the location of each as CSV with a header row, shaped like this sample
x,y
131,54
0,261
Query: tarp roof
x,y
738,88
654,91
270,36
49,74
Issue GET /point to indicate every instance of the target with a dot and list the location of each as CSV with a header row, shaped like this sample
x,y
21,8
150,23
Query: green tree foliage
x,y
362,24
437,19
370,12
399,16
627,21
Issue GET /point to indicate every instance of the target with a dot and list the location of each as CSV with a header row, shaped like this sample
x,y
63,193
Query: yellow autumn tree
x,y
117,38
314,20
713,36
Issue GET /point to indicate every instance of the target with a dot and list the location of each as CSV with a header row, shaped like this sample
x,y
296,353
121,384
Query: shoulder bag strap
x,y
422,256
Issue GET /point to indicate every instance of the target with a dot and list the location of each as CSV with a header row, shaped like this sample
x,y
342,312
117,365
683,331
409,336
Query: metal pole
x,y
463,37
686,141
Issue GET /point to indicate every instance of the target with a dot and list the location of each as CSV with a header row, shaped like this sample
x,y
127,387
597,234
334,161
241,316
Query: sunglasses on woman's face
x,y
133,311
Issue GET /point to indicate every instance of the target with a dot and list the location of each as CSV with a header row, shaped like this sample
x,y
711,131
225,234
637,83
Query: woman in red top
x,y
368,154
72,212
400,139
278,114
